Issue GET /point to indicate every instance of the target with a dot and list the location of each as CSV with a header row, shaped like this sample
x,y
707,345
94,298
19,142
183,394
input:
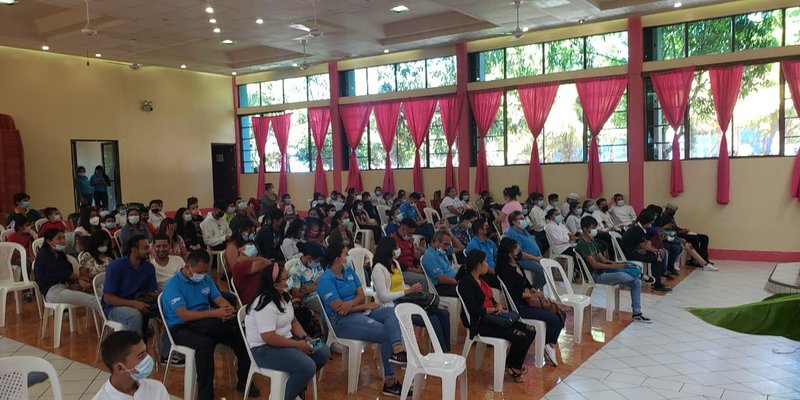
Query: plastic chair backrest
x,y
358,255
36,246
404,312
39,222
383,228
584,269
236,293
4,235
328,325
7,250
76,266
431,287
511,304
430,213
464,308
382,210
240,319
548,265
161,312
618,254
14,373
97,284
118,239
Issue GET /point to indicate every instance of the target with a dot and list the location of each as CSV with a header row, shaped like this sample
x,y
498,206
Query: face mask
x,y
377,193
359,197
360,208
559,218
321,200
134,219
187,217
274,191
250,250
123,212
102,249
396,253
242,205
346,223
593,232
331,213
230,210
604,208
82,174
104,213
525,212
578,211
554,203
523,223
301,234
143,369
465,197
540,203
94,221
155,210
26,229
57,217
287,201
314,265
25,205
111,225
592,208
398,217
620,203
60,248
197,278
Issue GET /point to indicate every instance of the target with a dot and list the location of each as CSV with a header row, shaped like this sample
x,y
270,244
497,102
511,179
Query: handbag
x,y
428,301
539,300
504,320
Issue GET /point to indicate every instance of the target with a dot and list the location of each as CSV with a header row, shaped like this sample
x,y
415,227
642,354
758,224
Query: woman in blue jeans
x,y
390,288
275,337
352,318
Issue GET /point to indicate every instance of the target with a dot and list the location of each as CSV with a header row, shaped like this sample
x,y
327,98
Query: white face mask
x,y
593,232
620,203
134,219
396,253
94,221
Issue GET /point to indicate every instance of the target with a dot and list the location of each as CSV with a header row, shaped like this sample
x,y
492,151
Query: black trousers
x,y
552,321
101,199
519,336
657,267
446,290
699,242
541,241
203,336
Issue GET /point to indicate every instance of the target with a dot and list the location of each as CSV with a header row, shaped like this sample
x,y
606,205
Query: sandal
x,y
517,376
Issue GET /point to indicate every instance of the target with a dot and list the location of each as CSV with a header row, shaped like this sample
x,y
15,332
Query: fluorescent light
x,y
213,20
294,64
678,4
385,51
183,66
217,30
259,21
9,2
227,41
209,10
45,47
98,55
233,73
400,9
580,21
524,28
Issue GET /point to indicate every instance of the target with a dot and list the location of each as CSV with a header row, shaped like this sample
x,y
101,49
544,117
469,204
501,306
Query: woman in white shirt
x,y
295,233
573,222
451,207
390,288
275,337
561,241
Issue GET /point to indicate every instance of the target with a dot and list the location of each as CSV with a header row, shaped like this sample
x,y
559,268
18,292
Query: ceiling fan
x,y
88,29
133,65
304,65
311,33
518,32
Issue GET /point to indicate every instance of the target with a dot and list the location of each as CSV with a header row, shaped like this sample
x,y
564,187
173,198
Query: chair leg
x,y
18,299
189,376
610,303
3,294
45,317
408,380
577,324
314,385
479,348
499,368
353,368
589,319
448,389
38,301
277,388
72,317
463,379
538,343
57,319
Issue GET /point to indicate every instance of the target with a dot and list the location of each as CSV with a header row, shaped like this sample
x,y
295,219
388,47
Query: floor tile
x,y
734,395
705,391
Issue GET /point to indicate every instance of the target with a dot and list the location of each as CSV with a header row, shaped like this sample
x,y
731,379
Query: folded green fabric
x,y
777,315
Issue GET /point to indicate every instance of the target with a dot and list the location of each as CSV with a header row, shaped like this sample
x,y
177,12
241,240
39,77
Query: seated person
x,y
166,264
529,253
410,254
22,236
341,230
409,210
216,231
530,301
315,230
351,317
55,277
200,318
269,237
622,214
295,234
89,222
177,247
246,270
369,208
276,338
243,213
54,221
390,289
480,241
395,216
286,205
436,262
607,272
552,202
478,301
230,212
698,241
269,201
96,255
125,355
636,247
22,208
561,241
130,287
246,233
463,231
573,218
451,206
134,227
304,274
110,226
510,194
364,220
468,205
573,200
156,214
605,223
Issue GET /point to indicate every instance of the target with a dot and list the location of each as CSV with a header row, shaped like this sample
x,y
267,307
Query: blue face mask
x,y
559,218
25,205
143,369
250,250
196,278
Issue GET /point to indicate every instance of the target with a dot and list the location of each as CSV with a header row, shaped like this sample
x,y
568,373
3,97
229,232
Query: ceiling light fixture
x,y
678,4
233,73
183,66
209,10
227,41
294,64
98,55
45,47
213,20
580,21
259,21
385,51
217,30
524,28
9,2
399,9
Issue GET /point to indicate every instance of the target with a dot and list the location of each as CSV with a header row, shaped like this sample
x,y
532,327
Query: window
x,y
490,65
659,133
564,55
792,31
525,60
755,117
519,138
271,93
295,90
250,95
612,142
791,123
711,36
381,79
285,91
437,155
758,30
319,87
412,75
607,50
562,136
441,71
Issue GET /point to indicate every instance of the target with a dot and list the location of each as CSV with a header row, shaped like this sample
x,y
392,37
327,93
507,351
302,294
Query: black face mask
x,y
604,208
155,210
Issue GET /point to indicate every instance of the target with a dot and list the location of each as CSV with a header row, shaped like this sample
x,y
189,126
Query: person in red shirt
x,y
54,221
247,270
409,254
23,236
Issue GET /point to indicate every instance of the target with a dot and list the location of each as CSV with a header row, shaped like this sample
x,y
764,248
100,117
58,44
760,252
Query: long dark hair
x,y
165,223
504,252
336,217
86,215
180,224
512,192
384,252
295,227
267,293
49,235
96,239
474,258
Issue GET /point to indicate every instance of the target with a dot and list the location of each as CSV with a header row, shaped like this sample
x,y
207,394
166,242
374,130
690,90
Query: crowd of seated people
x,y
288,267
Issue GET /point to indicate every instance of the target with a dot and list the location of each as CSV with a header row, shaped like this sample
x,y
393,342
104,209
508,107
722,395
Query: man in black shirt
x,y
270,235
636,247
697,240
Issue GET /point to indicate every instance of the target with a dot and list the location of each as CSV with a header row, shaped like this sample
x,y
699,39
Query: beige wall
x,y
165,153
760,216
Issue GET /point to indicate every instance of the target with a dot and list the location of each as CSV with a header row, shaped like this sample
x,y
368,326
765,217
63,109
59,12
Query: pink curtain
x,y
418,113
599,98
386,115
320,120
537,100
261,132
484,108
450,110
791,71
672,90
725,84
281,125
355,118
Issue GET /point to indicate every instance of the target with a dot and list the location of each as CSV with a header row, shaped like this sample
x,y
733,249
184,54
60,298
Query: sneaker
x,y
177,361
550,355
661,288
648,279
395,389
710,267
399,358
253,392
641,318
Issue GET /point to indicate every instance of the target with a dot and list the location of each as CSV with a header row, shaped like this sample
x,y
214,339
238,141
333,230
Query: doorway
x,y
91,154
223,167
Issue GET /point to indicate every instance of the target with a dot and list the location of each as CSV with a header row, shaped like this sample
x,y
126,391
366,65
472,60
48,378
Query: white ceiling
x,y
174,32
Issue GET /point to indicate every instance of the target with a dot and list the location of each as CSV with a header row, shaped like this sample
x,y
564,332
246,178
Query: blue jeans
x,y
536,269
623,278
674,248
129,317
300,366
380,326
440,321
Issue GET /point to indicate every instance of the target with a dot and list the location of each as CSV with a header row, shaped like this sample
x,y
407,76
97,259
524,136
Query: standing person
x,y
512,204
125,355
100,183
478,301
277,339
57,281
269,201
216,231
83,187
130,287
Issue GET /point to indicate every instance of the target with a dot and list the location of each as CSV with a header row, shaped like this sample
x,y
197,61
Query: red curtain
x,y
261,132
386,115
281,125
355,118
599,98
537,100
484,108
320,120
725,84
791,71
450,110
418,113
672,90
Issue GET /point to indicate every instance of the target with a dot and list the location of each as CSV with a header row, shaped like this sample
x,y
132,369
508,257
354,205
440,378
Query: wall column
x,y
636,101
464,142
336,125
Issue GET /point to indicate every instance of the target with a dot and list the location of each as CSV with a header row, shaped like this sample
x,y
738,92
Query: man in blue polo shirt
x,y
437,264
199,317
529,250
482,242
130,287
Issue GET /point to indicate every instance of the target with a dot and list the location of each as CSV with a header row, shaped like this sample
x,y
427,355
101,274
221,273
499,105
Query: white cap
x,y
573,196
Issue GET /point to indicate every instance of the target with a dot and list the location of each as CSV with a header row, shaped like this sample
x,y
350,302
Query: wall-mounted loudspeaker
x,y
147,105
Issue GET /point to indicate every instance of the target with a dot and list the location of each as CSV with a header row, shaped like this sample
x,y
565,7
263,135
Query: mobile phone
x,y
316,344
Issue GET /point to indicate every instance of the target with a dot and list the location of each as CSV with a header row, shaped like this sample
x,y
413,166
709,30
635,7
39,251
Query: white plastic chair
x,y
451,303
354,348
277,379
620,256
612,291
4,234
359,255
14,376
570,264
58,313
236,293
430,213
382,210
447,366
38,224
8,272
366,234
500,350
109,327
581,304
540,326
118,240
36,246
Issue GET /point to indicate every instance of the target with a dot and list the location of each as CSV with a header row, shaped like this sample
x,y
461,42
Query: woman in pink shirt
x,y
510,194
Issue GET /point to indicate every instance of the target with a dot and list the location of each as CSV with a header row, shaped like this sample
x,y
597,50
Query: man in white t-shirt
x,y
125,355
622,214
166,265
604,221
451,206
572,198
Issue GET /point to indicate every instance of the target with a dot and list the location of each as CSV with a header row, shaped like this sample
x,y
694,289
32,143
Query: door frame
x,y
116,177
235,166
